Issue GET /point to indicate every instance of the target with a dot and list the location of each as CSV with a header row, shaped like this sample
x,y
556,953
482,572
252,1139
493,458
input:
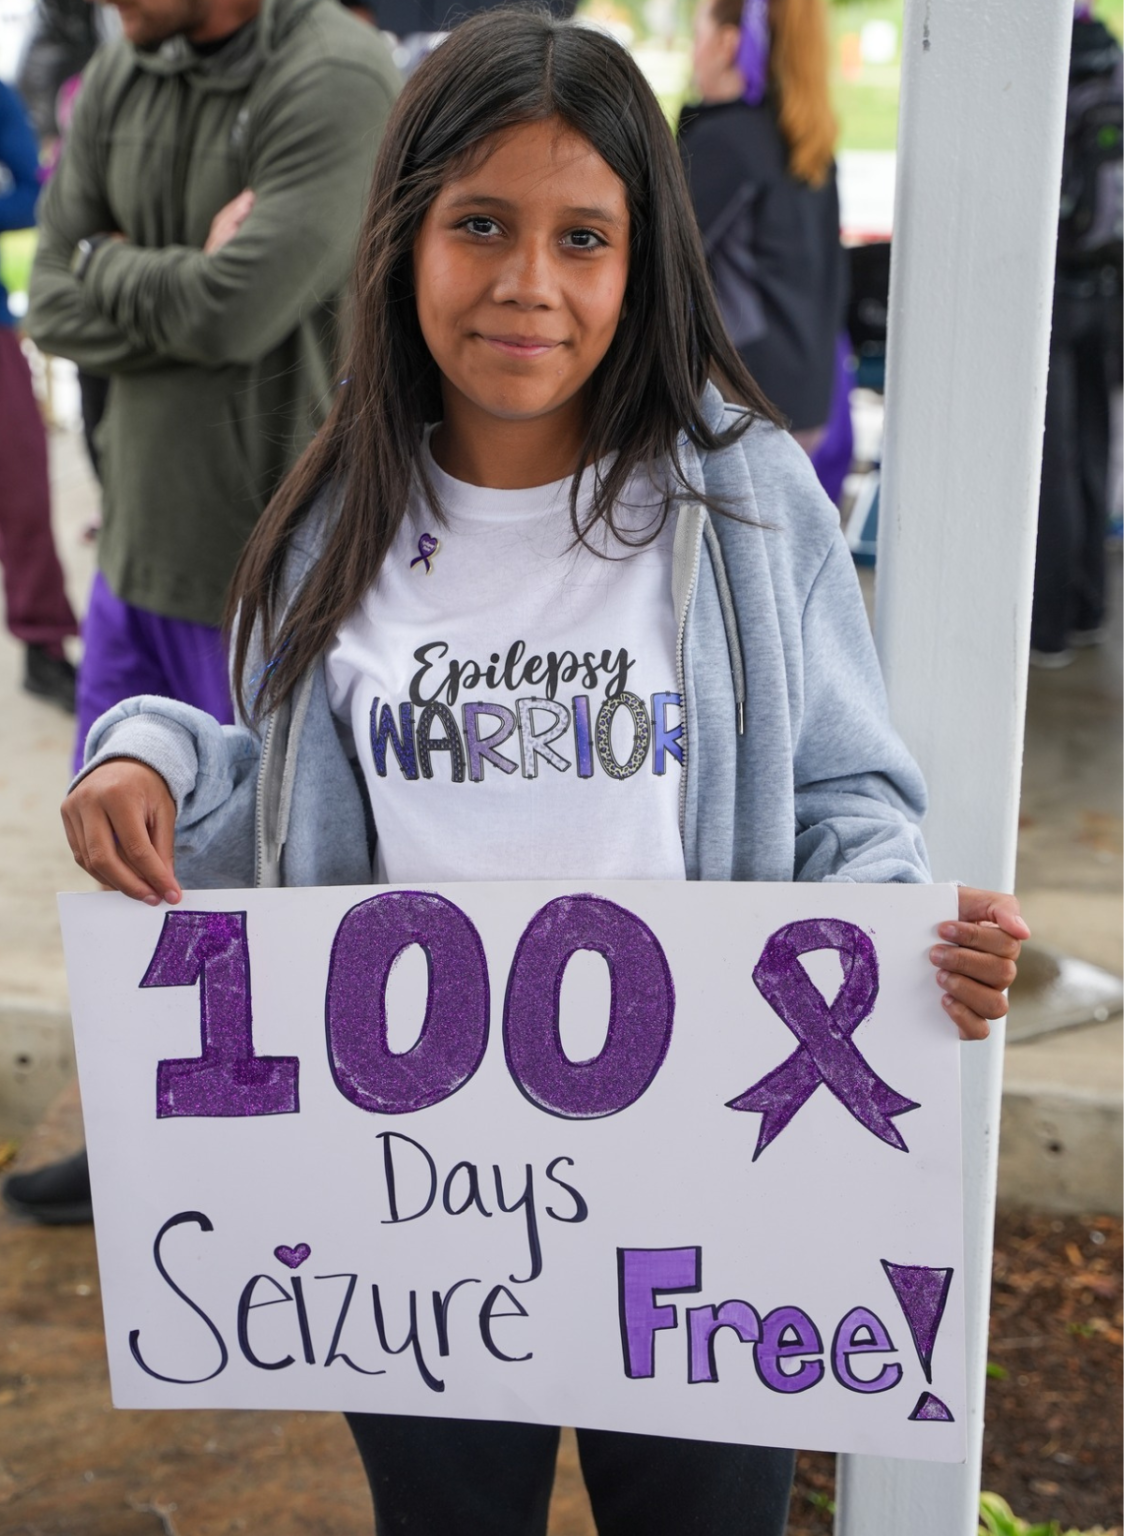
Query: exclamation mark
x,y
922,1294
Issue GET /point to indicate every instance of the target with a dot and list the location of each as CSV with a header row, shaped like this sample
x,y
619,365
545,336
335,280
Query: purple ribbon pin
x,y
427,548
826,1053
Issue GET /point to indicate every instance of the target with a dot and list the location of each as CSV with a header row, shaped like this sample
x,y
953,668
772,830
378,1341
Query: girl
x,y
538,601
758,154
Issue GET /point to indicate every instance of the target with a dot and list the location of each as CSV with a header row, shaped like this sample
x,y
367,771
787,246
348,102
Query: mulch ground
x,y
1052,1442
69,1464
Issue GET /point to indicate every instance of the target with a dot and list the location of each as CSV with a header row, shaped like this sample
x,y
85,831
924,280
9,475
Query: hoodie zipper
x,y
191,108
259,809
681,678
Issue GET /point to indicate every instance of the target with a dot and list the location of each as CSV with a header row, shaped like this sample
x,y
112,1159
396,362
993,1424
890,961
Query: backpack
x,y
1091,214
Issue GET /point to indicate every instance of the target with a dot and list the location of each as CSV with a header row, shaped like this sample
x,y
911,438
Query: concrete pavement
x,y
1060,1145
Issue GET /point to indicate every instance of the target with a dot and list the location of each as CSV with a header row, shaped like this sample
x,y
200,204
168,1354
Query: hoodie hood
x,y
232,67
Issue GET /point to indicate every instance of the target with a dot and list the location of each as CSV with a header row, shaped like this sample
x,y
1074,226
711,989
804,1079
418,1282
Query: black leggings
x,y
460,1477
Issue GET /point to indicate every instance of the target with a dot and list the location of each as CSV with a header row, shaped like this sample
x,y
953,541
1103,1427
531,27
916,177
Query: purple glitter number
x,y
455,1032
641,1009
227,1079
826,1053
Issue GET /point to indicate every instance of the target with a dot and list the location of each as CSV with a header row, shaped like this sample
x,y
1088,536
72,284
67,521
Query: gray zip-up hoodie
x,y
792,770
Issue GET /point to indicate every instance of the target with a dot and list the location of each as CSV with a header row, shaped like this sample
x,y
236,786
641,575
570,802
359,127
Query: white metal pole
x,y
975,221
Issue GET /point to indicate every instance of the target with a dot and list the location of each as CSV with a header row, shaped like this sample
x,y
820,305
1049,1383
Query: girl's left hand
x,y
977,962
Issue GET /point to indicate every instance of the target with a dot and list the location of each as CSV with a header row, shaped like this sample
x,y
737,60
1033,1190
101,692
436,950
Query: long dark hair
x,y
500,69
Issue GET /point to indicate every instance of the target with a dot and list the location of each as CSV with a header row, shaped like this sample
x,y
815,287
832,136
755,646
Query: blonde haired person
x,y
758,150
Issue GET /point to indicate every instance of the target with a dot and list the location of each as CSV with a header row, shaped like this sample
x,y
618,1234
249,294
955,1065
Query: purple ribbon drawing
x,y
826,1053
427,548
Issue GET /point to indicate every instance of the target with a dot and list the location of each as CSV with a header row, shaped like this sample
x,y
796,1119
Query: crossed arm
x,y
284,243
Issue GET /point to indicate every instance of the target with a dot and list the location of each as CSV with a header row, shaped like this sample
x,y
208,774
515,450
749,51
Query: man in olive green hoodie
x,y
195,246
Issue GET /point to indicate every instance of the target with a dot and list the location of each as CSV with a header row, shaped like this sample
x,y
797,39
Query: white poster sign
x,y
681,1159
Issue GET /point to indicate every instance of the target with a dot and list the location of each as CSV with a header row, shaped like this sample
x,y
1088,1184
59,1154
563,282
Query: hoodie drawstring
x,y
729,619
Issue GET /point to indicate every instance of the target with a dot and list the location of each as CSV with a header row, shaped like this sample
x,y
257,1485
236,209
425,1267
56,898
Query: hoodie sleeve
x,y
859,796
61,320
311,154
211,772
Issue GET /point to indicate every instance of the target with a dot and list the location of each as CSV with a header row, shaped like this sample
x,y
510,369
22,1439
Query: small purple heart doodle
x,y
293,1257
427,548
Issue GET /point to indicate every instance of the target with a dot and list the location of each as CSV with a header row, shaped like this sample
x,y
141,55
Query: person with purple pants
x,y
196,241
38,613
133,651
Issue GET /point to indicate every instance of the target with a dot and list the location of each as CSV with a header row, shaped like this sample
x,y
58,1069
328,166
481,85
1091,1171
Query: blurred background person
x,y
1085,356
419,26
38,612
196,243
62,39
60,42
758,152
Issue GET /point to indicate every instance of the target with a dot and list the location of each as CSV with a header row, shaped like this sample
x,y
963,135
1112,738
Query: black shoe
x,y
49,677
58,1195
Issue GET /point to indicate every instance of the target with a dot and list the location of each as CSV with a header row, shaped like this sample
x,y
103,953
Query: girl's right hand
x,y
120,823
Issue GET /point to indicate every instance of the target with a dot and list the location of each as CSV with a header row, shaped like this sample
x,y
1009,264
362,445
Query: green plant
x,y
1111,12
997,1518
17,248
865,95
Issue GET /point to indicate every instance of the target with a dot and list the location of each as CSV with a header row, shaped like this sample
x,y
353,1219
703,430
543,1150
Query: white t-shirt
x,y
513,698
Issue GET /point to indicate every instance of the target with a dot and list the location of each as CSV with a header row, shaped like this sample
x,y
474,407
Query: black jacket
x,y
773,247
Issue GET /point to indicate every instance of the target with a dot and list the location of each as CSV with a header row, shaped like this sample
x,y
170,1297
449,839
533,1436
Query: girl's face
x,y
520,270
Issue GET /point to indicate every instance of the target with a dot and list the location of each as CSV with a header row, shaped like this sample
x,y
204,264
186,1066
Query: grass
x,y
866,95
17,247
998,1519
1111,12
